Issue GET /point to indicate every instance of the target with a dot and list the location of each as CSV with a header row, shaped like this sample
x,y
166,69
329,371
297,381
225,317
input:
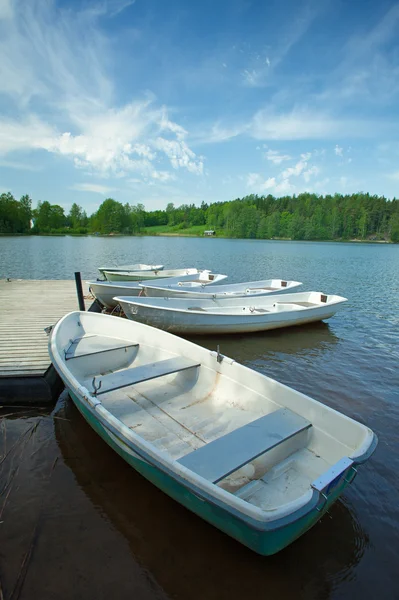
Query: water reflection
x,y
314,338
189,558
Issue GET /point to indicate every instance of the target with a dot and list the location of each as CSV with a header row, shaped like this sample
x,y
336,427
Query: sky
x,y
157,101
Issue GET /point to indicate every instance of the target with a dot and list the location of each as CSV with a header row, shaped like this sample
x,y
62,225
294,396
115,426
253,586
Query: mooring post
x,y
79,291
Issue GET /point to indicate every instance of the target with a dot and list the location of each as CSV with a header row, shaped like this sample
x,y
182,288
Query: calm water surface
x,y
78,522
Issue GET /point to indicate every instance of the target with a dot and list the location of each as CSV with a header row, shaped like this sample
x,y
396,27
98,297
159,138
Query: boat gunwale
x,y
180,288
138,301
116,269
140,283
188,271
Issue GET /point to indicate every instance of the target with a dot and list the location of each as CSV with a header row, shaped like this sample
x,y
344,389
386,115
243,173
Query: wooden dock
x,y
27,307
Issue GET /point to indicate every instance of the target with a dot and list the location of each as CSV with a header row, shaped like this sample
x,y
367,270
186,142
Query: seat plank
x,y
126,377
223,456
70,355
94,344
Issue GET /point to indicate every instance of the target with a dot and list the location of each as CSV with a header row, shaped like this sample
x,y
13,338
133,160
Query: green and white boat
x,y
256,459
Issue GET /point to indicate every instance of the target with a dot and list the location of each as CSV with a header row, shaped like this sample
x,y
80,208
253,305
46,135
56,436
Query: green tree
x,y
273,225
395,227
362,224
76,216
111,217
25,209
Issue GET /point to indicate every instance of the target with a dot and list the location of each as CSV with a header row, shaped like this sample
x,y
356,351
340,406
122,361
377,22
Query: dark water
x,y
77,522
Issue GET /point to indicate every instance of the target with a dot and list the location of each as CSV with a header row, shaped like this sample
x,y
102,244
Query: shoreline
x,y
190,235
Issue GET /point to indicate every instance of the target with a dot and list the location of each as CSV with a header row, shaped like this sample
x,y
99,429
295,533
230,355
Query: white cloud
x,y
338,150
114,7
91,187
144,150
30,133
394,175
12,164
275,157
282,183
307,175
303,124
219,133
163,175
180,154
253,78
5,9
298,168
106,143
256,182
59,58
291,126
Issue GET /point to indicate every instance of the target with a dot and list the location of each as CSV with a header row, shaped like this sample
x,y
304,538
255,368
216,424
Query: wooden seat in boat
x,y
133,375
223,456
89,345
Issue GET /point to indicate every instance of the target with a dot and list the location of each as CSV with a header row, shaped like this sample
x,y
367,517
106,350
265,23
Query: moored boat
x,y
146,275
105,291
231,315
258,460
171,289
136,267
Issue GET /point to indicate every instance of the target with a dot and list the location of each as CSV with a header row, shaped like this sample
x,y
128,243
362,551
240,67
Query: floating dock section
x,y
27,308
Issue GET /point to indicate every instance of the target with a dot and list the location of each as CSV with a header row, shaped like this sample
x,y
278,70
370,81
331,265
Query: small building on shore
x,y
210,232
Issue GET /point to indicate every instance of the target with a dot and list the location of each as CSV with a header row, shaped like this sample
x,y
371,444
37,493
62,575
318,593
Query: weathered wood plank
x,y
27,307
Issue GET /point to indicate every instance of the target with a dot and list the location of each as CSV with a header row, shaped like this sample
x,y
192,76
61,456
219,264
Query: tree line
x,y
303,217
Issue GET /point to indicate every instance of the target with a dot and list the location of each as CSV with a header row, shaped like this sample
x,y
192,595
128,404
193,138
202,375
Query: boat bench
x,y
133,375
223,456
90,345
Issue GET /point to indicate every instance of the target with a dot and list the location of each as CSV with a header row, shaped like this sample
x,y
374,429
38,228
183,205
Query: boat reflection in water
x,y
188,558
313,339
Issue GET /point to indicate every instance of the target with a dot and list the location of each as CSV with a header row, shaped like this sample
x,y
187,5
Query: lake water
x,y
93,528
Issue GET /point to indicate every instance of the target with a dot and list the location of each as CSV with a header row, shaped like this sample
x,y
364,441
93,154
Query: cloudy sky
x,y
159,101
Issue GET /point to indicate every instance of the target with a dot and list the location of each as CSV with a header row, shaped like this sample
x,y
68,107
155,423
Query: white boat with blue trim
x,y
171,289
105,291
229,314
256,459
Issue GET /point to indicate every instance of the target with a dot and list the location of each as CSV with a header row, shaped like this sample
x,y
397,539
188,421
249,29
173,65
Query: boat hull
x,y
105,295
218,291
106,291
193,323
264,539
137,267
147,275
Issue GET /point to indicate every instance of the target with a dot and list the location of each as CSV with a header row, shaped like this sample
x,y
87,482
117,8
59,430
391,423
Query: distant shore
x,y
192,235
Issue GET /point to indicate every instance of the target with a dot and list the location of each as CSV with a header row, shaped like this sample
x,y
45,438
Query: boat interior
x,y
255,438
252,310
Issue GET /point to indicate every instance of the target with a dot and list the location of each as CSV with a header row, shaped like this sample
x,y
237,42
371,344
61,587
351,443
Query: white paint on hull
x,y
231,315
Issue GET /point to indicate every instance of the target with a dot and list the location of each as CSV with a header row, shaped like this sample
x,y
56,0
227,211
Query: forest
x,y
307,216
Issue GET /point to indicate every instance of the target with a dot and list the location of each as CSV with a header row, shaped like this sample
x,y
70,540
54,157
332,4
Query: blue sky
x,y
153,101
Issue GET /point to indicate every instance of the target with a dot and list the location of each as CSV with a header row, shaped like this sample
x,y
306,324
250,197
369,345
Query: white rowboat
x,y
145,275
169,289
260,461
105,291
231,315
136,267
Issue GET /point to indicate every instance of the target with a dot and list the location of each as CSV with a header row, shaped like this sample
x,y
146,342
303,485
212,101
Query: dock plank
x,y
28,306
